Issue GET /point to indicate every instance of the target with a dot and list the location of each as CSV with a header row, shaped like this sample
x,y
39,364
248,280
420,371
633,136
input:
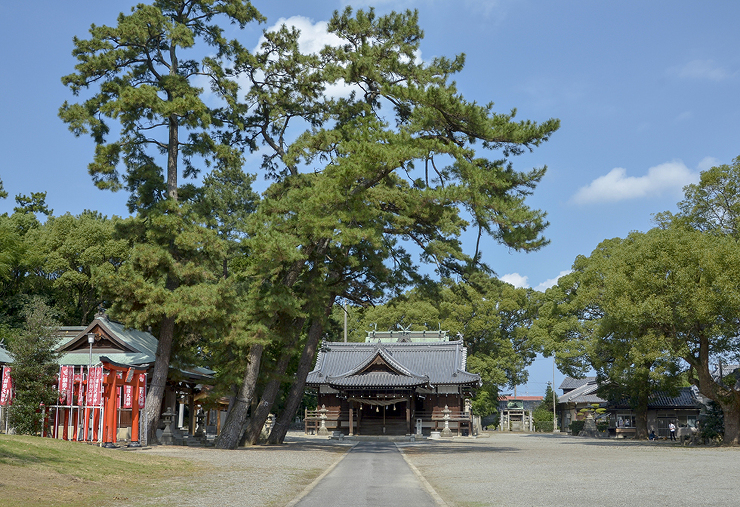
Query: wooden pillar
x,y
191,409
65,422
408,416
350,421
135,412
359,419
109,420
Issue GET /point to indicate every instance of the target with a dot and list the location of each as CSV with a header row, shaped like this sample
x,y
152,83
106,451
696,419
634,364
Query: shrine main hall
x,y
395,383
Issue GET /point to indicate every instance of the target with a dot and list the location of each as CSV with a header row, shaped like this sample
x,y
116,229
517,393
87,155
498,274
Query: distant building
x,y
515,412
682,410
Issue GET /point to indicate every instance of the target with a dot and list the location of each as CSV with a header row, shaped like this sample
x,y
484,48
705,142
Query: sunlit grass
x,y
42,471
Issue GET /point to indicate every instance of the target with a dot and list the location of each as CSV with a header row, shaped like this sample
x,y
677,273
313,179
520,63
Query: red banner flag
x,y
142,390
66,386
94,386
7,387
128,396
80,388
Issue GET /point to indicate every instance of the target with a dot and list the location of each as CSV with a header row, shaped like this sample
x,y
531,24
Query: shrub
x,y
543,426
576,427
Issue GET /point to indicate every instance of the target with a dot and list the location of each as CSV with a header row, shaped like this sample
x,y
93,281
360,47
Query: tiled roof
x,y
138,348
584,393
5,356
685,399
410,364
141,345
573,383
406,336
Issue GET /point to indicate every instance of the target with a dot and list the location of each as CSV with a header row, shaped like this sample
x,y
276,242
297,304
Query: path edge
x,y
432,492
318,479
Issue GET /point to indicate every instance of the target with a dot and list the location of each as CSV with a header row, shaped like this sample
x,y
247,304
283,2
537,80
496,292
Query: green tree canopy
x,y
380,174
713,204
577,322
145,83
34,367
637,305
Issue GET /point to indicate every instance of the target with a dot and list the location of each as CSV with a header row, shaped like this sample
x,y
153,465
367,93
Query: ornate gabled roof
x,y
378,370
112,339
398,364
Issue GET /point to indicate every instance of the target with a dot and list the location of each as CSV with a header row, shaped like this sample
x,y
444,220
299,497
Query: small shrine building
x,y
396,383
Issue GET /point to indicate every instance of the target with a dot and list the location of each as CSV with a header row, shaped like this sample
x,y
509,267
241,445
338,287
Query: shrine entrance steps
x,y
379,438
375,427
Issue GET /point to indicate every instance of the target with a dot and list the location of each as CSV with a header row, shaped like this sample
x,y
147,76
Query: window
x,y
625,421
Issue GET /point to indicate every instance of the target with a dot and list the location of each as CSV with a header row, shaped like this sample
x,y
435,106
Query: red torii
x,y
111,383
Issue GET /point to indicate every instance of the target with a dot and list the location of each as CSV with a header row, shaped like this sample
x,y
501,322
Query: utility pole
x,y
554,414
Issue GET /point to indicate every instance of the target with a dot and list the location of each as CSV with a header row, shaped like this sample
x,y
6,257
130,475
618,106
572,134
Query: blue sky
x,y
646,93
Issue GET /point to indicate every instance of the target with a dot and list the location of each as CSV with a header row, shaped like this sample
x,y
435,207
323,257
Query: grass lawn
x,y
38,471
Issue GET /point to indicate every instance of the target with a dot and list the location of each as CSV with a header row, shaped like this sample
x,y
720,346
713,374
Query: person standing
x,y
672,429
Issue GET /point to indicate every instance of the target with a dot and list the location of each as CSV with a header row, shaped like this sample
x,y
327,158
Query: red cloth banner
x,y
66,384
142,390
128,396
80,389
7,387
95,386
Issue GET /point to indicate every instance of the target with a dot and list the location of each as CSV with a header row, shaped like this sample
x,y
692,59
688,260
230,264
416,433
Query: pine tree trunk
x,y
232,430
259,416
295,396
155,395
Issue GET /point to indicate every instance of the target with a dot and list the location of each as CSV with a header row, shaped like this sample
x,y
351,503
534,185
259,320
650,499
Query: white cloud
x,y
552,281
703,69
617,186
515,279
707,163
686,115
314,36
312,39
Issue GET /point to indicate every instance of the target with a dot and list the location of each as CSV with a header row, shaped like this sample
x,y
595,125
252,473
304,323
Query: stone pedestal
x,y
589,428
446,432
322,429
167,437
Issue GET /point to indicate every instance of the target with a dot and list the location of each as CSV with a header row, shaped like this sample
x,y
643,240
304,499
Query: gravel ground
x,y
534,470
259,476
504,469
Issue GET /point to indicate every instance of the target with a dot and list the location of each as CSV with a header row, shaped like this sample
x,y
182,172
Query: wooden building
x,y
683,409
82,346
396,383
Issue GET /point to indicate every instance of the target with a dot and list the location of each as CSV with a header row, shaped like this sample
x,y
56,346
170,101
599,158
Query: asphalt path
x,y
372,474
